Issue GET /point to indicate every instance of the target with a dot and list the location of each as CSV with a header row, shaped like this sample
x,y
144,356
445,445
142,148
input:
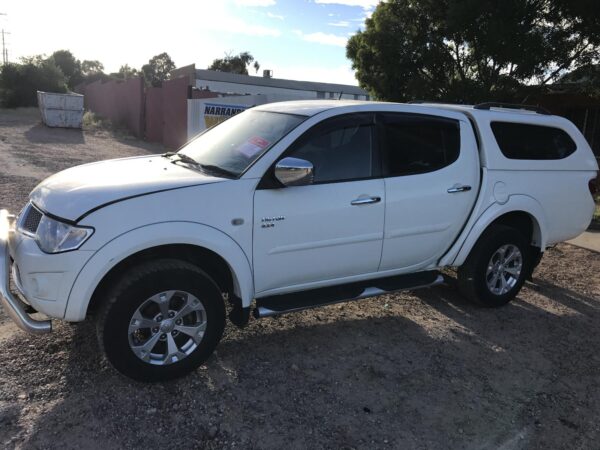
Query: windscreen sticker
x,y
253,146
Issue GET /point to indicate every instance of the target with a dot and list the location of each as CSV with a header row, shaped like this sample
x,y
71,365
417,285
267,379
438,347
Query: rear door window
x,y
417,144
533,142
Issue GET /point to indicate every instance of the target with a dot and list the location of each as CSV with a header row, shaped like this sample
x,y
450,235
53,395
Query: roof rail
x,y
420,102
536,109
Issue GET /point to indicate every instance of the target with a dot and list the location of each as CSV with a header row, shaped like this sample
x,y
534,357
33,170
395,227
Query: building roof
x,y
213,75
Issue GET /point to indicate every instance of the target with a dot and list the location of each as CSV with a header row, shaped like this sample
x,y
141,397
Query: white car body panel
x,y
166,233
73,192
332,233
422,219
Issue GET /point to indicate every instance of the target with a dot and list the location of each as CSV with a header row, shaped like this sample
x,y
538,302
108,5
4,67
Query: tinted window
x,y
523,141
339,149
419,144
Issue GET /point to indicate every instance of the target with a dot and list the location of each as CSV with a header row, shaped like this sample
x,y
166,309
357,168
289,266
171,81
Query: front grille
x,y
30,219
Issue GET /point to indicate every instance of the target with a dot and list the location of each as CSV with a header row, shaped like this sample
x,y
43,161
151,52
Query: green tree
x,y
471,50
69,65
158,69
583,80
93,67
19,83
235,63
125,72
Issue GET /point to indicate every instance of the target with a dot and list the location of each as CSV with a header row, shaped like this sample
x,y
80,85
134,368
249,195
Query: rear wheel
x,y
496,268
162,320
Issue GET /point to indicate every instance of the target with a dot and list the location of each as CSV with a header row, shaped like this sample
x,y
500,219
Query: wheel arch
x,y
210,249
521,212
209,261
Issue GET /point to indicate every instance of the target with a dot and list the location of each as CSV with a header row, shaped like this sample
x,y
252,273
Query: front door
x,y
331,229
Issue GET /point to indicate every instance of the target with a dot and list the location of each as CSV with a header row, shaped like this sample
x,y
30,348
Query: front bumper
x,y
12,306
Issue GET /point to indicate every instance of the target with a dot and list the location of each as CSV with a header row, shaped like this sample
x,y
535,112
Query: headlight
x,y
54,237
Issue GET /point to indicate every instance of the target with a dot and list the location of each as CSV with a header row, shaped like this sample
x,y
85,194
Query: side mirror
x,y
294,172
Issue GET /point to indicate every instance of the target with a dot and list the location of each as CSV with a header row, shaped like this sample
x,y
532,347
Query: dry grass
x,y
97,124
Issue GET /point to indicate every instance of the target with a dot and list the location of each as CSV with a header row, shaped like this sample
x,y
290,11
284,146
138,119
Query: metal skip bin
x,y
61,110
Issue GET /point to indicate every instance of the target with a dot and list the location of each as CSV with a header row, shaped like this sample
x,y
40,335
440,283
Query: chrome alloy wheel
x,y
167,327
504,269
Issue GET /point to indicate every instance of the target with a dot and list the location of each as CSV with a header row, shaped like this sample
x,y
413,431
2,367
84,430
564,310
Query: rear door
x,y
431,174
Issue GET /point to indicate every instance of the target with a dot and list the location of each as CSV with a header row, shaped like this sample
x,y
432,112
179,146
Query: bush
x,y
19,83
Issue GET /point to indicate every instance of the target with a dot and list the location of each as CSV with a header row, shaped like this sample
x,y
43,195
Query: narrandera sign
x,y
216,113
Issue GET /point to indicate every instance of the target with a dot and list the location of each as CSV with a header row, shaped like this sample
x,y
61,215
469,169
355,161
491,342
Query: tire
x,y
480,278
142,344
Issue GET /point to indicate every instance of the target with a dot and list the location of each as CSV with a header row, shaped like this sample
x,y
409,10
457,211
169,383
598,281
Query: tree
x,y
126,72
158,69
91,67
471,50
235,64
19,82
69,65
583,80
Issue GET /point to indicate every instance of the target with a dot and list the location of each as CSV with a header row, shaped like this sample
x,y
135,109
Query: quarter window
x,y
525,141
339,149
418,143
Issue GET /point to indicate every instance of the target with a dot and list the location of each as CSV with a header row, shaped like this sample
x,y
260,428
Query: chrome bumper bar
x,y
12,306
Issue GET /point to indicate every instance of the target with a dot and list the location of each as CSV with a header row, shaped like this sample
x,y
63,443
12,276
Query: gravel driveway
x,y
412,370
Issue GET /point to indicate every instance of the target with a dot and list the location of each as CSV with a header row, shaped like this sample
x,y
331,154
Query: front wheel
x,y
496,268
162,320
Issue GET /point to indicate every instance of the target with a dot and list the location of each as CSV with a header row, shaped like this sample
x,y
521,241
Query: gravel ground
x,y
412,370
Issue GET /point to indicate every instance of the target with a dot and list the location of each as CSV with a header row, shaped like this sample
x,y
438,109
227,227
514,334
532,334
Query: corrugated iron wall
x,y
120,101
154,114
158,114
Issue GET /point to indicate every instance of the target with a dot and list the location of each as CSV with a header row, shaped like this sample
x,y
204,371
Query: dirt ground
x,y
422,370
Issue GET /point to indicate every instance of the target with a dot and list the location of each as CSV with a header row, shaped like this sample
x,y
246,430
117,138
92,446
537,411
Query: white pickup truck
x,y
290,206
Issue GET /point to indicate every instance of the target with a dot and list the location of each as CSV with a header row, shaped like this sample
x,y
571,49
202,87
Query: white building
x,y
233,83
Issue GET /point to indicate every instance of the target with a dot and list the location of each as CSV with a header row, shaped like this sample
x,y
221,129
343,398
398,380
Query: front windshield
x,y
235,144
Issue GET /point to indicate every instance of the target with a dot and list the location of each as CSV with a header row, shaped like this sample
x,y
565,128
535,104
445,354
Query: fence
x,y
120,101
157,114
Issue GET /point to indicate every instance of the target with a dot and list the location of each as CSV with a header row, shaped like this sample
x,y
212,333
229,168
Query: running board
x,y
298,301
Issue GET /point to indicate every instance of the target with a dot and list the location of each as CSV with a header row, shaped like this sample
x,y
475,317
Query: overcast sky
x,y
297,39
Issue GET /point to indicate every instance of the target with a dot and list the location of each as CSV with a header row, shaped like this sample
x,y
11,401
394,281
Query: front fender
x,y
516,203
155,235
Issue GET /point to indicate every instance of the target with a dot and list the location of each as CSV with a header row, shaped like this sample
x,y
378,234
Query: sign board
x,y
215,113
204,113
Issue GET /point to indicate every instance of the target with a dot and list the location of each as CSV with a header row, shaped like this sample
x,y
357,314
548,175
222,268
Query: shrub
x,y
19,83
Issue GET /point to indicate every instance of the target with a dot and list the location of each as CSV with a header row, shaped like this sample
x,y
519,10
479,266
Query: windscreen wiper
x,y
218,170
207,168
182,157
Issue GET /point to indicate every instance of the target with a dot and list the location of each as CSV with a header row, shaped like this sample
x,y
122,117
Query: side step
x,y
297,301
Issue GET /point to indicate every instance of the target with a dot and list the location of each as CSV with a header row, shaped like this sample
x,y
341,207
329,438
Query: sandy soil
x,y
414,370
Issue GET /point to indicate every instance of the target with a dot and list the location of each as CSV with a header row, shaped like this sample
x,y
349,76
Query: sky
x,y
297,39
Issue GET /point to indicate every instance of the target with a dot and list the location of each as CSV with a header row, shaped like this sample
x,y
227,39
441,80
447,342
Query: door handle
x,y
455,189
365,201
